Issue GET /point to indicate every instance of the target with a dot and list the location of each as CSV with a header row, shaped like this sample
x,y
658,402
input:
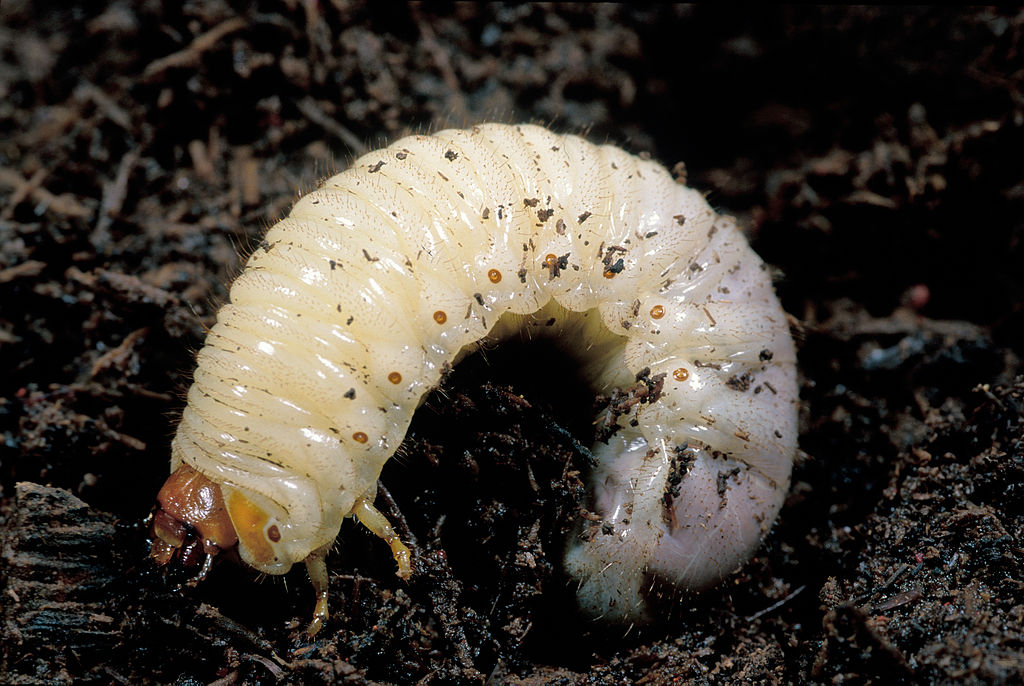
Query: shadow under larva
x,y
354,305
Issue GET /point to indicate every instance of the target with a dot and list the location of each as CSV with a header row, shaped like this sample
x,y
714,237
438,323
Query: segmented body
x,y
354,305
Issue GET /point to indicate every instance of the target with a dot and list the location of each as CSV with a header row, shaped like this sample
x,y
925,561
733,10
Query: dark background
x,y
874,157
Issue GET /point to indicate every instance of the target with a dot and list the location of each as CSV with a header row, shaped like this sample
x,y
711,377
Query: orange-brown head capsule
x,y
191,522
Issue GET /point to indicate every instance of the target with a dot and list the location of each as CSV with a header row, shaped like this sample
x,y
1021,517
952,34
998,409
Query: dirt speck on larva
x,y
880,190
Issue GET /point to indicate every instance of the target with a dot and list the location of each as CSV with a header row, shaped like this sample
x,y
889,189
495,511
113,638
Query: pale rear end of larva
x,y
353,306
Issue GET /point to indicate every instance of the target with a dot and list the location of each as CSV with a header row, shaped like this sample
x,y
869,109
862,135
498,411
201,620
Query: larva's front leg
x,y
316,567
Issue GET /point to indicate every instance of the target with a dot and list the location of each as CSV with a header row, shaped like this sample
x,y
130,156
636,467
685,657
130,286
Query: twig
x,y
761,613
189,56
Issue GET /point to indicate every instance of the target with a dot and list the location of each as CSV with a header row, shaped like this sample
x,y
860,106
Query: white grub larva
x,y
352,307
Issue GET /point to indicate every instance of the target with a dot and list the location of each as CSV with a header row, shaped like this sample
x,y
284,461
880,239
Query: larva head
x,y
196,516
191,521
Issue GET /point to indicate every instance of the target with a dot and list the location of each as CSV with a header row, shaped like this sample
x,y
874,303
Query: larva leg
x,y
316,567
376,522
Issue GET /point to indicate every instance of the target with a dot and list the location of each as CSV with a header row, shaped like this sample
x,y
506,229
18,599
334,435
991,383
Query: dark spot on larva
x,y
401,155
758,389
680,219
696,267
360,437
486,213
315,202
522,275
713,230
554,148
440,317
770,388
679,172
544,215
584,217
724,290
550,322
531,202
710,318
778,434
376,168
442,176
395,378
348,322
560,227
494,275
616,268
650,234
479,299
765,355
614,166
266,246
680,374
451,155
370,258
739,382
626,324
657,312
334,430
723,480
555,264
273,533
501,214
350,394
333,264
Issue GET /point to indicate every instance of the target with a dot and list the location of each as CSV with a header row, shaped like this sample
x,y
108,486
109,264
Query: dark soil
x,y
874,157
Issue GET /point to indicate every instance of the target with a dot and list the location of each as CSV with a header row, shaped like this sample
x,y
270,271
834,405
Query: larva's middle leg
x,y
376,522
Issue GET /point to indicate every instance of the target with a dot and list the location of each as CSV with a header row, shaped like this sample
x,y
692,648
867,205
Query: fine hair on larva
x,y
351,308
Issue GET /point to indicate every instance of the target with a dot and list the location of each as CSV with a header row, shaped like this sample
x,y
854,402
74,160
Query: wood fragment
x,y
190,55
313,112
18,271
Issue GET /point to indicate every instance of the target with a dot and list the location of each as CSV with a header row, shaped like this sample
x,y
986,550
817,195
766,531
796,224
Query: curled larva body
x,y
352,307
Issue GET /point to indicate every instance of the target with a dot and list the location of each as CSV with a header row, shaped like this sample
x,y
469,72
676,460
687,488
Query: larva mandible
x,y
352,306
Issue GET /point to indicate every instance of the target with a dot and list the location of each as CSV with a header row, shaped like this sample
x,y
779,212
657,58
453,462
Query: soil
x,y
874,158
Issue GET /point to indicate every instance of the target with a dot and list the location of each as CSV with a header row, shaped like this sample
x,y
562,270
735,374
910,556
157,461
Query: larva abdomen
x,y
353,306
